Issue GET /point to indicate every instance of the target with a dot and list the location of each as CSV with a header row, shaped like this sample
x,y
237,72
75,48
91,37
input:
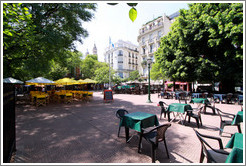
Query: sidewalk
x,y
87,132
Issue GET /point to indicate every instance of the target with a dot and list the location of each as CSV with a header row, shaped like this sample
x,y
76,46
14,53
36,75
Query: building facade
x,y
94,50
123,57
149,39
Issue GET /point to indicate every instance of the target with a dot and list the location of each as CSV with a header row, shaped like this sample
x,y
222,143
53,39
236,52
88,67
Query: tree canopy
x,y
205,44
37,34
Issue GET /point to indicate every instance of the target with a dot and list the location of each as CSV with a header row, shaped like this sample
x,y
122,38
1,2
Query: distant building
x,y
87,53
123,58
149,38
94,50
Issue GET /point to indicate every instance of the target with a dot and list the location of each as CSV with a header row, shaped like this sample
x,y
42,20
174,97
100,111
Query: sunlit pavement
x,y
87,132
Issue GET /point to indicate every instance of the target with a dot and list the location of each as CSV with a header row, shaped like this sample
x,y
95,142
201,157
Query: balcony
x,y
129,63
120,61
158,38
151,41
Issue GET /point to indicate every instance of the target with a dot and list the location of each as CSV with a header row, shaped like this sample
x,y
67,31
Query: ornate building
x,y
94,50
149,38
123,57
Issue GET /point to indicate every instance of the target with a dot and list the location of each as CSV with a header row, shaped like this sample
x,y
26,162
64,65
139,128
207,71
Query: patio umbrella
x,y
65,81
40,81
82,82
12,80
89,81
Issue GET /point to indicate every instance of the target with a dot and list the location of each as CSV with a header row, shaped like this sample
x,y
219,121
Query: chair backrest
x,y
120,113
183,97
204,145
161,130
224,115
162,103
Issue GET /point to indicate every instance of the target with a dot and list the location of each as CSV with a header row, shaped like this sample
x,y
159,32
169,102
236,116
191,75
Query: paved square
x,y
87,132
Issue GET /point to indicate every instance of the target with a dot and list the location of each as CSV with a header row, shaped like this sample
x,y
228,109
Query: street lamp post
x,y
149,61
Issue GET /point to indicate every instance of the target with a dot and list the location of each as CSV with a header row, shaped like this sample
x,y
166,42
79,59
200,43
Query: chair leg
x,y
153,151
239,128
197,122
165,144
119,131
189,119
202,156
222,125
200,118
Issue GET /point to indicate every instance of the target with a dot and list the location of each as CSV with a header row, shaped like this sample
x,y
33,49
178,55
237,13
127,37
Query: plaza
x,y
86,132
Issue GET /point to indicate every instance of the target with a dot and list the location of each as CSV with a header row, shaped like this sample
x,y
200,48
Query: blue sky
x,y
114,22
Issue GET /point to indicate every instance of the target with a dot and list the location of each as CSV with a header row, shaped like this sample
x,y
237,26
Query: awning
x,y
12,80
40,81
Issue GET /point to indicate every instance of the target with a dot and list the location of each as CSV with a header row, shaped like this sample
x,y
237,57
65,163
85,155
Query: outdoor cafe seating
x,y
163,106
156,135
119,114
232,153
227,119
138,121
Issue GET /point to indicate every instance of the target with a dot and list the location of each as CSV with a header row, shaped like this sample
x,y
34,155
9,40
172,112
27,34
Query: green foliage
x,y
170,85
132,11
89,66
133,14
57,71
205,44
37,33
144,63
117,79
134,75
102,74
156,72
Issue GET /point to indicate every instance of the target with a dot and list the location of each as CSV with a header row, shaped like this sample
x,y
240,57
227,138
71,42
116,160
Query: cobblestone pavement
x,y
87,132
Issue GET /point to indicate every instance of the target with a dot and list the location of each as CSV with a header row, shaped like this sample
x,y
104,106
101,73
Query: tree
x,y
134,75
18,37
43,32
205,44
102,74
156,72
89,66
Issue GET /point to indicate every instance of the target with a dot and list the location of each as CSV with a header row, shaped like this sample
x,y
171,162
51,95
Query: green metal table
x,y
235,156
200,101
236,143
180,109
238,118
138,121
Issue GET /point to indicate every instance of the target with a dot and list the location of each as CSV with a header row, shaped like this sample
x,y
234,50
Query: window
x,y
143,40
151,37
144,50
132,55
129,54
120,53
151,48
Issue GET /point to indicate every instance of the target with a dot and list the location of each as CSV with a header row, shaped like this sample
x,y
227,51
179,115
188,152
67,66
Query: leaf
x,y
112,3
132,4
133,14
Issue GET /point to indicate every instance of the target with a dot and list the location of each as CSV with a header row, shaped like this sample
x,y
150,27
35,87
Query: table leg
x,y
127,133
140,142
168,116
